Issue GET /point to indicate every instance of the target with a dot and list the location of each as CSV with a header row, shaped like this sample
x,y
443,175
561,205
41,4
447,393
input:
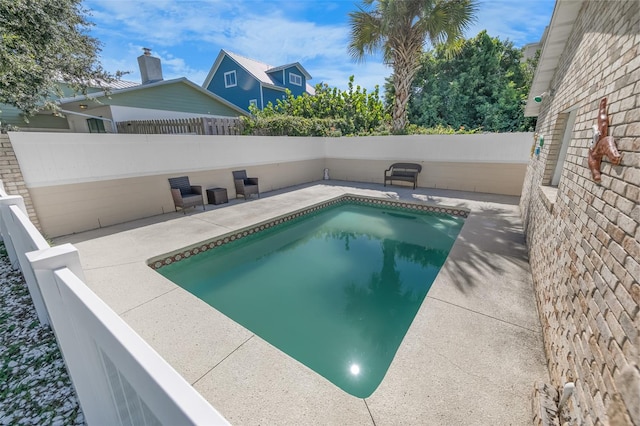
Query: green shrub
x,y
413,129
330,112
286,125
334,113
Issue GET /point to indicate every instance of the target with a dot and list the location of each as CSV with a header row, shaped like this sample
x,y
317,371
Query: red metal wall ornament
x,y
602,145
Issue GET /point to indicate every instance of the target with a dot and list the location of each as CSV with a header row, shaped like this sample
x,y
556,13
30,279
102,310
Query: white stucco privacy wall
x,y
49,159
85,181
512,148
493,163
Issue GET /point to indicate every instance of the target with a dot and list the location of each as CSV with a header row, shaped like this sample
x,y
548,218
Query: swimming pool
x,y
335,286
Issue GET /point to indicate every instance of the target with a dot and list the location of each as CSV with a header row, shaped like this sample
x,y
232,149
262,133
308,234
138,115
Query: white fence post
x,y
25,238
92,388
119,378
20,236
10,200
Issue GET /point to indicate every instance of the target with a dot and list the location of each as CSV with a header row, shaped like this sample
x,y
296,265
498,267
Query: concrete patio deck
x,y
470,357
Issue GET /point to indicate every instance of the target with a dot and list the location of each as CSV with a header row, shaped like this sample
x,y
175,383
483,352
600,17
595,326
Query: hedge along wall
x,y
583,237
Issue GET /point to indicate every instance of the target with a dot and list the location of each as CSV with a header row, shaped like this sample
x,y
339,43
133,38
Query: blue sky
x,y
188,35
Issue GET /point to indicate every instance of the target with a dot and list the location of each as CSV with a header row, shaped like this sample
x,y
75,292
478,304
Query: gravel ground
x,y
35,388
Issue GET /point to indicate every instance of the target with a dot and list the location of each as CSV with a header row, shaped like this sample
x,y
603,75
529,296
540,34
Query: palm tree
x,y
399,28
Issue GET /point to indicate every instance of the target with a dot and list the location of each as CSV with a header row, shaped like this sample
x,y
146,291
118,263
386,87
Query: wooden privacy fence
x,y
190,126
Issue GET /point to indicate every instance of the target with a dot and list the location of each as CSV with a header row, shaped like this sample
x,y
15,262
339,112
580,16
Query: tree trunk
x,y
403,73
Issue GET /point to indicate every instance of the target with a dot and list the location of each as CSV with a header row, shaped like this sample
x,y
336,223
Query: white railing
x,y
118,377
20,237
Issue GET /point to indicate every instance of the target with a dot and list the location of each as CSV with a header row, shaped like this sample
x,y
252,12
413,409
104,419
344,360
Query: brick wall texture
x,y
12,178
584,245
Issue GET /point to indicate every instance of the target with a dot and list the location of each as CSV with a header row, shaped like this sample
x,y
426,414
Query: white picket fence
x,y
118,377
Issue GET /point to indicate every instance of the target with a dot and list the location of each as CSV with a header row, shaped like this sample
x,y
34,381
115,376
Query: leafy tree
x,y
330,111
399,29
484,86
42,43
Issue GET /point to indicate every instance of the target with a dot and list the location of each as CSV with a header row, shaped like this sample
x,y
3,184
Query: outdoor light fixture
x,y
538,98
84,106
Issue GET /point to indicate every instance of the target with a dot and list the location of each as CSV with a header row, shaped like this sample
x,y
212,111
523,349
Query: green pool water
x,y
337,290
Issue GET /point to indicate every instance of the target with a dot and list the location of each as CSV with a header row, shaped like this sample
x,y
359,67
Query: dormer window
x,y
295,79
230,79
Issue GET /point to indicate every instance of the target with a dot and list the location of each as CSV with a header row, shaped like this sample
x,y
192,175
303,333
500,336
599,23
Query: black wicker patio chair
x,y
184,194
245,186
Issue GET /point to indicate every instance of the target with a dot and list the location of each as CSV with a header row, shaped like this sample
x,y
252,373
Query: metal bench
x,y
407,172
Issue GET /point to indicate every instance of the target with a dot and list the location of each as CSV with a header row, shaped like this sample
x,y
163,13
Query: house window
x,y
230,79
555,153
295,79
96,125
253,103
562,153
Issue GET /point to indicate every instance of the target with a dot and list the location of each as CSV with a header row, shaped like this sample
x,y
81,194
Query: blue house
x,y
244,82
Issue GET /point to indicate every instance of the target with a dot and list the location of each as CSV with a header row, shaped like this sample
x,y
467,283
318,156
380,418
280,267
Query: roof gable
x,y
259,70
284,67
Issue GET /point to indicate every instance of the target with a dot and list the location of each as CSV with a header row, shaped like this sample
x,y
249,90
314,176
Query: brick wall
x,y
12,178
583,237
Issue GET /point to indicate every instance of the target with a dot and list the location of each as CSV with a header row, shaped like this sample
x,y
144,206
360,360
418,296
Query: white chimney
x,y
150,67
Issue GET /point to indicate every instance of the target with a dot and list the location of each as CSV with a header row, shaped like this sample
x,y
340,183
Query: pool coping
x,y
157,262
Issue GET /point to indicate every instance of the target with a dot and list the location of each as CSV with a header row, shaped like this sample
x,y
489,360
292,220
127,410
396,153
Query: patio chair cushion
x,y
181,183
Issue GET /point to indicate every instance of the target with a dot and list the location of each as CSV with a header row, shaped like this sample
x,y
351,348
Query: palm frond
x,y
366,35
399,28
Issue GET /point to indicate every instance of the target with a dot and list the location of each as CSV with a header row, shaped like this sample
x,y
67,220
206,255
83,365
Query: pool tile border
x,y
186,252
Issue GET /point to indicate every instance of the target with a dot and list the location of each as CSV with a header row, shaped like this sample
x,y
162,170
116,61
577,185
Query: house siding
x,y
272,95
12,116
295,90
67,91
583,237
255,80
277,77
247,87
171,97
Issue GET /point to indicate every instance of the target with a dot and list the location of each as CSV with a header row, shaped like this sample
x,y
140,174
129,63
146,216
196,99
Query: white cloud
x,y
277,40
187,35
366,75
175,30
173,67
166,23
521,21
